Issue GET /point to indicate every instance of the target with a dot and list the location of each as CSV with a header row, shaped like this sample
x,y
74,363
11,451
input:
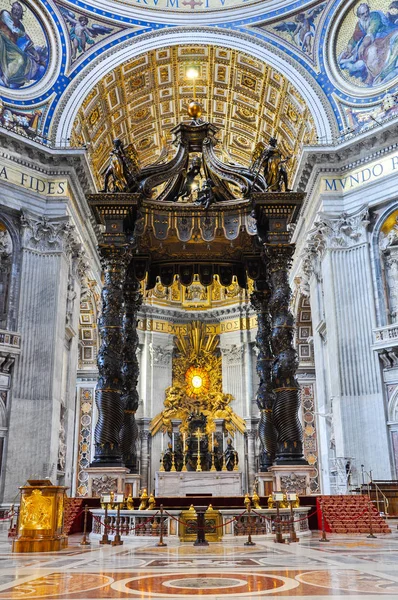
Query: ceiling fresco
x,y
179,11
189,5
143,99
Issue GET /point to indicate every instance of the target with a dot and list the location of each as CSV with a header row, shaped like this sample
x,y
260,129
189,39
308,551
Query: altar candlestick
x,y
172,441
162,441
183,442
212,442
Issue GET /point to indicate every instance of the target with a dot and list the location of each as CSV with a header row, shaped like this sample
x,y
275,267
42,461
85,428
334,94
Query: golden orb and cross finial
x,y
195,109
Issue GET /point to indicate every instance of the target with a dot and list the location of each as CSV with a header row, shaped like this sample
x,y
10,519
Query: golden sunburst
x,y
197,380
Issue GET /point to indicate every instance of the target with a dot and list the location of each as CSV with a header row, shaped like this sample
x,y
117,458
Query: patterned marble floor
x,y
346,567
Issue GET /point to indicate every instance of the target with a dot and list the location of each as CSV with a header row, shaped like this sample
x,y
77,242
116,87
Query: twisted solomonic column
x,y
114,260
130,398
286,389
265,395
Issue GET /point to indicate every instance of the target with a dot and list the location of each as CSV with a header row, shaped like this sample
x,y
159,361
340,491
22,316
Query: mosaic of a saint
x,y
23,50
367,43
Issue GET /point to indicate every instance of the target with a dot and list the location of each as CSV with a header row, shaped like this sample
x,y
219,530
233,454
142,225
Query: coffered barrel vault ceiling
x,y
144,98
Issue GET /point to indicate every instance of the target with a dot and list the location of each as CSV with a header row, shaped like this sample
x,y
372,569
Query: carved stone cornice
x,y
346,154
210,316
46,156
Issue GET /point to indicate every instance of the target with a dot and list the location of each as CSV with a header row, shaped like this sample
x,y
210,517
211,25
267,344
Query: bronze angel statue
x,y
271,158
122,170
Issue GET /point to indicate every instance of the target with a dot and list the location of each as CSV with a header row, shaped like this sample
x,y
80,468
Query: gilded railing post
x,y
130,399
285,387
265,395
114,260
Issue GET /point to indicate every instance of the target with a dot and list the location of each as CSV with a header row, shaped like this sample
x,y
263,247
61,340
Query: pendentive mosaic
x,y
366,45
24,46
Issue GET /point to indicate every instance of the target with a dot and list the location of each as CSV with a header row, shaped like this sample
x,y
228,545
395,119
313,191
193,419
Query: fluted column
x,y
251,435
286,389
144,471
110,358
265,395
130,398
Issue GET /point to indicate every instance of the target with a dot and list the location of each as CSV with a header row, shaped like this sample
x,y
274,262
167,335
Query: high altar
x,y
198,422
237,228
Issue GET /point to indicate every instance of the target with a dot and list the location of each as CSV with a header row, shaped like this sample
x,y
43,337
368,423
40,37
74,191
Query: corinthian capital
x,y
47,235
331,232
345,230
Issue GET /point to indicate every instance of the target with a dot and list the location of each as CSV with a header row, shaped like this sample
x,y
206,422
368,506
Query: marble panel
x,y
180,484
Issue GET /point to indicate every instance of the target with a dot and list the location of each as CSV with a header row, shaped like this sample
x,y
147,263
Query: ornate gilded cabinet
x,y
41,518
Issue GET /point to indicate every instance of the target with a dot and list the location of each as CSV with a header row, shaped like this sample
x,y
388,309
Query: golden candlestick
x,y
213,466
184,460
198,464
236,468
173,465
224,464
161,463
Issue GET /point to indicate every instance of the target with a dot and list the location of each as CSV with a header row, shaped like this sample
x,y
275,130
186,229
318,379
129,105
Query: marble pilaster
x,y
350,398
45,265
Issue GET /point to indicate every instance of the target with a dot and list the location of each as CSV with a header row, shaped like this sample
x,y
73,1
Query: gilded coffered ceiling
x,y
144,98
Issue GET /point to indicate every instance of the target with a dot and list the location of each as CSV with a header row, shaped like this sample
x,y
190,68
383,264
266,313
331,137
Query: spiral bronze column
x,y
114,260
286,389
130,399
265,395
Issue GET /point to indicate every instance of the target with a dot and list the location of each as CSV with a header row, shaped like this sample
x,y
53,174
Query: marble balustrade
x,y
138,524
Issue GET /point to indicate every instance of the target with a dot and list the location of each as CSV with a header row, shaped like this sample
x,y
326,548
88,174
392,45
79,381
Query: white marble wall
x,y
155,358
240,380
57,240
